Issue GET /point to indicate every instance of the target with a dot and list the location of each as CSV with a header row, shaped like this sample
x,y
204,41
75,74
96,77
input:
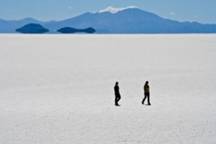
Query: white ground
x,y
58,89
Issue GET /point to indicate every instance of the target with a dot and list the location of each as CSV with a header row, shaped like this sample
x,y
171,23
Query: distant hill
x,y
32,28
111,20
10,26
73,30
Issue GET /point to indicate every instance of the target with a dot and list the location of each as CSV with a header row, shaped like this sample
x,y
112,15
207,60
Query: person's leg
x,y
143,101
149,100
116,100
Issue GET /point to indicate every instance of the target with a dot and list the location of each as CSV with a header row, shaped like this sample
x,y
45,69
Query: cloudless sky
x,y
192,10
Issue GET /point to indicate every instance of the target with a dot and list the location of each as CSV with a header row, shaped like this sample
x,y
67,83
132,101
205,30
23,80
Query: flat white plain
x,y
58,89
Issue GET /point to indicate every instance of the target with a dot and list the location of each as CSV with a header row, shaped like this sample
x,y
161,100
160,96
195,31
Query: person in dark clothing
x,y
146,93
117,94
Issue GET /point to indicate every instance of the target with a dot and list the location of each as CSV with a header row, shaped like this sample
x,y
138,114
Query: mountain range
x,y
112,20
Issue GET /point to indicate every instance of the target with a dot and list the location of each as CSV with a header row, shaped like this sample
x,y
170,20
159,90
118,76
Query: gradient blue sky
x,y
193,10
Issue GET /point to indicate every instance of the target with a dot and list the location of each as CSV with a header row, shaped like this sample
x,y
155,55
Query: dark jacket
x,y
116,89
146,89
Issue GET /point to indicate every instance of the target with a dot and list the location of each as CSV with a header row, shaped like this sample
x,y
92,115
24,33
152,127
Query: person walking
x,y
117,94
146,93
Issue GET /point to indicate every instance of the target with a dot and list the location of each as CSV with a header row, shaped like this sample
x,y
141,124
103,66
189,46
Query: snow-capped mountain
x,y
115,10
119,20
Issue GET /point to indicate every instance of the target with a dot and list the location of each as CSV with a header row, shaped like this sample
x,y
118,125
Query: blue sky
x,y
193,10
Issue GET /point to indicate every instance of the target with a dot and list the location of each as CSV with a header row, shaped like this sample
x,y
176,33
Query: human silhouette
x,y
117,94
146,93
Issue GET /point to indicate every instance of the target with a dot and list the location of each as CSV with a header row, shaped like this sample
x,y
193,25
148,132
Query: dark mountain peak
x,y
68,30
32,28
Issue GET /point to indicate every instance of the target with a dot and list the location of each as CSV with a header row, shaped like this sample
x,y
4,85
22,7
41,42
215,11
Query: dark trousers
x,y
147,96
117,99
